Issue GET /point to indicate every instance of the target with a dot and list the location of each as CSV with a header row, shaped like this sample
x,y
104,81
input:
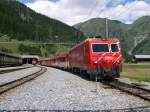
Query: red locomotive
x,y
96,57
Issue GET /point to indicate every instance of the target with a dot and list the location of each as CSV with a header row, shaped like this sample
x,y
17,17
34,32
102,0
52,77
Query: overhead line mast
x,y
107,35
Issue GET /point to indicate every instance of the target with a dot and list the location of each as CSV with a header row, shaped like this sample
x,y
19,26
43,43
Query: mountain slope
x,y
21,23
96,26
140,32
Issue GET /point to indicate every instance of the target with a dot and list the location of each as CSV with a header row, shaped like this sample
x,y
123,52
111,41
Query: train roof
x,y
20,56
112,40
10,54
103,40
59,55
55,56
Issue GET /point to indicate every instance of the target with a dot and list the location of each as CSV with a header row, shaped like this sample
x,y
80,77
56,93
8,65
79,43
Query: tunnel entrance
x,y
28,59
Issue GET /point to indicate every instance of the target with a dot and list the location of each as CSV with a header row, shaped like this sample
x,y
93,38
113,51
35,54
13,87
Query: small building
x,y
27,59
141,58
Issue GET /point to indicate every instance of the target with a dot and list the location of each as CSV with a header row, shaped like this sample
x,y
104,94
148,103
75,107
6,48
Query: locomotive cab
x,y
106,58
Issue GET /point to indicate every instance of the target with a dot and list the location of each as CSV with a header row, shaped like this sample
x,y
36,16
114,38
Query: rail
x,y
7,86
129,88
12,69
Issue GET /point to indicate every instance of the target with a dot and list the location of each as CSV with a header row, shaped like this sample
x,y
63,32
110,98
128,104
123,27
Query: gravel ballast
x,y
11,76
60,90
16,67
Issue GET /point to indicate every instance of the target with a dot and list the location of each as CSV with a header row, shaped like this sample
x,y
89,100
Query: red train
x,y
95,57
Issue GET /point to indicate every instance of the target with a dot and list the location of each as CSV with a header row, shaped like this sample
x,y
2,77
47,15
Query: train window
x,y
100,48
114,48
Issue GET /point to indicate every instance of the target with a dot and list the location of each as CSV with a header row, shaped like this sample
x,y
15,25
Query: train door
x,y
86,56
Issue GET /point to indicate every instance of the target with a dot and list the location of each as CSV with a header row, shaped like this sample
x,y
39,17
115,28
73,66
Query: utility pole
x,y
106,20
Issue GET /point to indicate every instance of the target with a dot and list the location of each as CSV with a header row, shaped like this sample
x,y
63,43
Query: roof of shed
x,y
142,56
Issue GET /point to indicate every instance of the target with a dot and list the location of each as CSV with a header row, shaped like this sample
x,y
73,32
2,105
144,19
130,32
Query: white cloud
x,y
127,13
42,6
69,11
75,11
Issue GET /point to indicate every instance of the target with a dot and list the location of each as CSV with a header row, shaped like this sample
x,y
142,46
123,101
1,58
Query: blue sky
x,y
31,1
75,11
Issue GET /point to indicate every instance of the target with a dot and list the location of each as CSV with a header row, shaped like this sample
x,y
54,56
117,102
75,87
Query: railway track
x,y
11,70
129,88
7,86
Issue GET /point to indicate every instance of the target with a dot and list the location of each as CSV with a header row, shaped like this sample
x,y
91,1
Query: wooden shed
x,y
141,58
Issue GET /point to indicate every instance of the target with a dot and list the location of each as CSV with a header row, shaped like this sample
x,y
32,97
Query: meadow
x,y
139,72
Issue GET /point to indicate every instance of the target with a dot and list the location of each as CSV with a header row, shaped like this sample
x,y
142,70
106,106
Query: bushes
x,y
32,50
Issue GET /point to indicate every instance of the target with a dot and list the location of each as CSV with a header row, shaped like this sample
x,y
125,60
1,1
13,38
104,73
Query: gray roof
x,y
30,56
142,56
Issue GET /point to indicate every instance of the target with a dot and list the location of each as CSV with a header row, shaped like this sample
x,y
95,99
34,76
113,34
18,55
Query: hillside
x,y
140,32
97,26
21,23
134,37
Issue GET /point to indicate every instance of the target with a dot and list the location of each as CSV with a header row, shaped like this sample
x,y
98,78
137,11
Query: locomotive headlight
x,y
118,62
95,62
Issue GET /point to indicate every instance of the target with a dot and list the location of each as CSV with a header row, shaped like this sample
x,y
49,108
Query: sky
x,y
75,11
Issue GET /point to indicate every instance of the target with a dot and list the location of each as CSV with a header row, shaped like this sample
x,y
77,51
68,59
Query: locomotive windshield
x,y
114,48
100,48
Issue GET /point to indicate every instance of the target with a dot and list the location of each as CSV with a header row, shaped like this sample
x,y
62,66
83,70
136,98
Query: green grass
x,y
139,72
9,48
41,50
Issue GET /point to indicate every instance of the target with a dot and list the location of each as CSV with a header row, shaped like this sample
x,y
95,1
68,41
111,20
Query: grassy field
x,y
140,72
41,50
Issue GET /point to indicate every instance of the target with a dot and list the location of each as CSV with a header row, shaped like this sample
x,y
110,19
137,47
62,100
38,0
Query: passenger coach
x,y
9,60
